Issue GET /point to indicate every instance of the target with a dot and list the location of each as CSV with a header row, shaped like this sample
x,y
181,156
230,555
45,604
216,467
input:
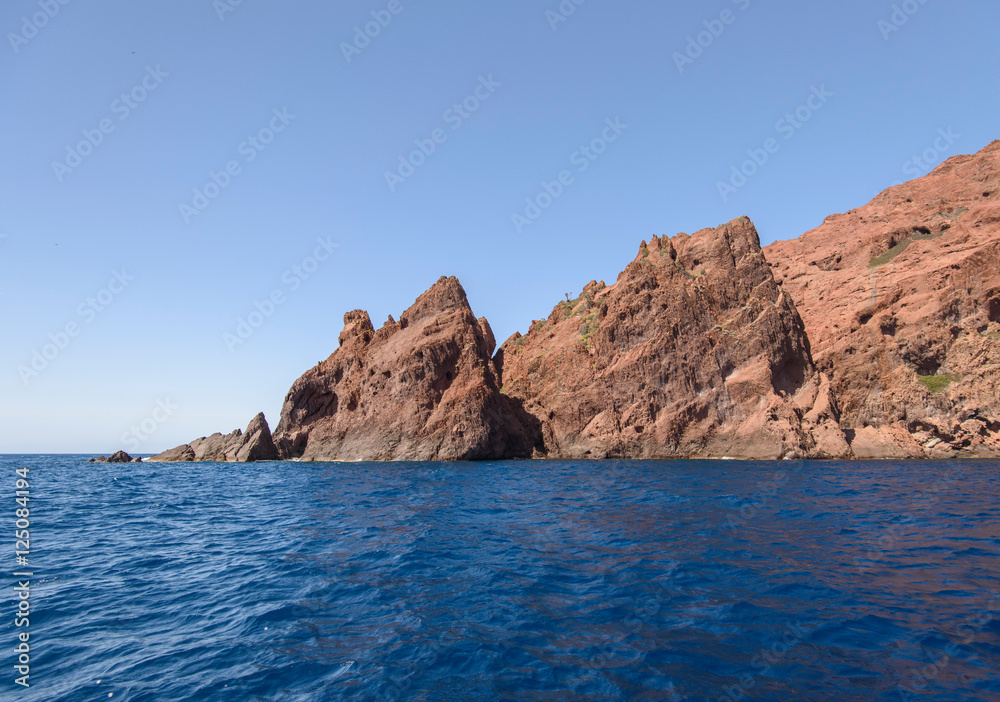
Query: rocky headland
x,y
875,335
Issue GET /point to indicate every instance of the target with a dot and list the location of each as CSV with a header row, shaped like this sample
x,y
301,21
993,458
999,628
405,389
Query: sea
x,y
521,581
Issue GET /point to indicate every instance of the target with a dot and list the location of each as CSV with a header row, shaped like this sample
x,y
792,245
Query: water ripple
x,y
556,580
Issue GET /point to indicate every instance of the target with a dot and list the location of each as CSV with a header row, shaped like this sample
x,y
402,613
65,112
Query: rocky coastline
x,y
874,336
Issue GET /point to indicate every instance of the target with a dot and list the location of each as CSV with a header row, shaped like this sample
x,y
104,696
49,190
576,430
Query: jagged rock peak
x,y
357,324
445,295
421,390
694,351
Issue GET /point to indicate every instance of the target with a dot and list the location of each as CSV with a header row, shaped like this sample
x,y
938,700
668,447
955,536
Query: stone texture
x,y
422,388
117,457
694,352
904,288
255,444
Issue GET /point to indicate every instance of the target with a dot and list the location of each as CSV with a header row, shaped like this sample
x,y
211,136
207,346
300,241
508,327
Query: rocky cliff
x,y
901,303
693,351
422,388
254,444
876,335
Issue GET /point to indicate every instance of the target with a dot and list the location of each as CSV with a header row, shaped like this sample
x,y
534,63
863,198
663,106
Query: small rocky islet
x,y
116,457
875,335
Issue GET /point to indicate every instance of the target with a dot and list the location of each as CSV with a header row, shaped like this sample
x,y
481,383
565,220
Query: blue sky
x,y
113,265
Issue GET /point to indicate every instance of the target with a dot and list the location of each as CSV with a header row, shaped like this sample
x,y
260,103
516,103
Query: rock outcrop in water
x,y
901,302
876,335
117,457
422,388
255,444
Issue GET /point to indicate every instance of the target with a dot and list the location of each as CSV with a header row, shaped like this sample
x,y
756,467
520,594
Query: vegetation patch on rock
x,y
919,234
937,383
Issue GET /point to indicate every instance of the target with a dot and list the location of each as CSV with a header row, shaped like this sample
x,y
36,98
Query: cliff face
x,y
255,444
423,388
697,350
901,301
694,351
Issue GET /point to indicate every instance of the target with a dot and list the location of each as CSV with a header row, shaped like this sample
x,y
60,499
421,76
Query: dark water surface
x,y
618,580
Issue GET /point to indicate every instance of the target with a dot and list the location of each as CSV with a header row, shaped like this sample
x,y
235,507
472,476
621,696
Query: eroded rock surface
x,y
422,388
117,457
693,351
876,335
901,301
255,444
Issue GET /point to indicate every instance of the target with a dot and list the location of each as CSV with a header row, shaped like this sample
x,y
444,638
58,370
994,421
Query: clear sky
x,y
286,119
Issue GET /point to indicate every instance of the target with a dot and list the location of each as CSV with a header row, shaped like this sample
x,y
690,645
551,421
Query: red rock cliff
x,y
694,351
697,350
423,388
901,301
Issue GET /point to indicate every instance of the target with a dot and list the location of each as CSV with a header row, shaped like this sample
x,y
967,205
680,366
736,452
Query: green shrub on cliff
x,y
937,383
918,235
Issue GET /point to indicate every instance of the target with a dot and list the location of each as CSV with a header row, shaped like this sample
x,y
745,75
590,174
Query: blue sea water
x,y
547,580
